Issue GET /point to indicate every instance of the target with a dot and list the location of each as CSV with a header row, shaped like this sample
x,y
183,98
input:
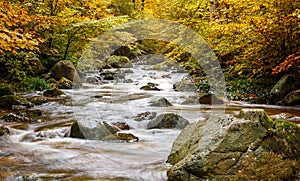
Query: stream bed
x,y
43,151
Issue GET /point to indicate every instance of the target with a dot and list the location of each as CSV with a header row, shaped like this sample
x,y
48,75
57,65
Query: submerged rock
x,y
145,116
53,92
8,101
4,130
223,147
162,102
168,120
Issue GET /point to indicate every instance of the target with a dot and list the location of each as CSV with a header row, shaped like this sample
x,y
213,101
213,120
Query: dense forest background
x,y
256,42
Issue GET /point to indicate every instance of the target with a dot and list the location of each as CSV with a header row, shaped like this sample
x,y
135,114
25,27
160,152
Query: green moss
x,y
283,137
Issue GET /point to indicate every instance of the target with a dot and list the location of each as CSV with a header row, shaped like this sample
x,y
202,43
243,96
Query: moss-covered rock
x,y
5,89
53,92
291,99
118,62
64,83
9,101
250,146
65,68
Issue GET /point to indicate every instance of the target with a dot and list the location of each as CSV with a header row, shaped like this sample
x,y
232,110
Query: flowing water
x,y
41,150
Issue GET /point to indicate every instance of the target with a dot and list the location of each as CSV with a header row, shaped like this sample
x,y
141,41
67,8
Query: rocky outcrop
x,y
284,86
4,130
162,102
167,121
186,85
9,101
53,92
65,68
250,146
291,99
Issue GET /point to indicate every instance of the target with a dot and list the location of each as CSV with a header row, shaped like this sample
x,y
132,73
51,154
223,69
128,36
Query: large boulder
x,y
65,68
250,146
119,62
291,99
284,86
5,89
167,121
99,132
9,101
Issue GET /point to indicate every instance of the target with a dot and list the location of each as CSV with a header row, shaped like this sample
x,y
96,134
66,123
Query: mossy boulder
x,y
167,121
53,92
250,146
115,61
8,101
4,130
65,68
5,89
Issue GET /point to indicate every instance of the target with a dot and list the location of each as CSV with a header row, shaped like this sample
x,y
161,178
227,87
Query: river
x,y
40,151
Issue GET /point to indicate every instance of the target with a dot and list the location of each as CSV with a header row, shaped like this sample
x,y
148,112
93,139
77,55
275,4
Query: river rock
x,y
92,80
4,130
38,100
291,99
64,83
128,137
162,102
5,89
65,68
284,86
150,86
9,101
53,92
119,62
122,125
249,146
186,85
96,133
167,121
210,99
145,116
